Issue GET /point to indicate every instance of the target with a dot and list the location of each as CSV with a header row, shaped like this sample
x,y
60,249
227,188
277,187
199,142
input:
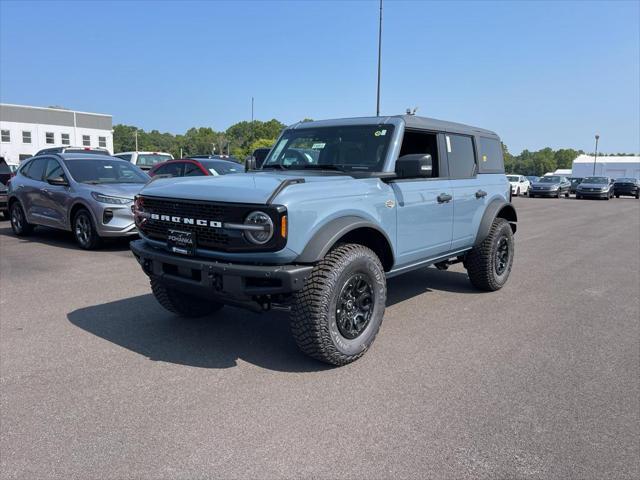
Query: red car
x,y
190,167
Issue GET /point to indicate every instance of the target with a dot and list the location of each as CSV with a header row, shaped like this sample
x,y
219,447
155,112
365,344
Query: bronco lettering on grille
x,y
186,220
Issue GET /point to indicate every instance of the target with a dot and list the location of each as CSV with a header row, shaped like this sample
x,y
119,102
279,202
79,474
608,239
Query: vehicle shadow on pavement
x,y
216,341
139,324
63,239
426,280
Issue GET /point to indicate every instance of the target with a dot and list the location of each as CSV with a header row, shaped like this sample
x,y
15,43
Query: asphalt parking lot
x,y
538,380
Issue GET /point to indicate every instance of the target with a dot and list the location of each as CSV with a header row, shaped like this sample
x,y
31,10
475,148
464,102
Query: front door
x,y
425,217
424,206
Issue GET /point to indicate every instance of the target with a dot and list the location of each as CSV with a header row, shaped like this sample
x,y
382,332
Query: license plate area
x,y
182,242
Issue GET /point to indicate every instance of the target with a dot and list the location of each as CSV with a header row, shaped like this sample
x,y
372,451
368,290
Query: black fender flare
x,y
322,241
79,203
498,207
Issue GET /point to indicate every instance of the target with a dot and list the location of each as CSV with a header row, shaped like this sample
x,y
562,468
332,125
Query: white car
x,y
144,160
519,184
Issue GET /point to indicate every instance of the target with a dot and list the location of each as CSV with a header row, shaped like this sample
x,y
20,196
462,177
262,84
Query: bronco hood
x,y
254,187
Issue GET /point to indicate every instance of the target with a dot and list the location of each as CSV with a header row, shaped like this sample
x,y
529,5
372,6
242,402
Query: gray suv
x,y
90,195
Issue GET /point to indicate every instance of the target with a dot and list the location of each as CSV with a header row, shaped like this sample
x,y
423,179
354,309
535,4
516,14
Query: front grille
x,y
207,237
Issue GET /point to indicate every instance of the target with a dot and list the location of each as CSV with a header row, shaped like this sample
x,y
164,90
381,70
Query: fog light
x,y
107,215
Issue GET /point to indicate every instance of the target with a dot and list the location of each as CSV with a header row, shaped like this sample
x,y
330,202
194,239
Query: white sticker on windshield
x,y
108,166
318,146
213,172
380,133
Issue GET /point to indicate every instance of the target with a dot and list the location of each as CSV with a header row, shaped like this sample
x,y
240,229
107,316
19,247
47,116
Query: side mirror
x,y
58,181
250,164
414,165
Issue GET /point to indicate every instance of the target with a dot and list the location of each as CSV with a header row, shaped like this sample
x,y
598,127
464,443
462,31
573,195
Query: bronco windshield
x,y
97,171
595,180
353,148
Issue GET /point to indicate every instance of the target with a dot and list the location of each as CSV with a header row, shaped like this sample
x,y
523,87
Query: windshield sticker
x,y
318,146
484,158
380,133
108,166
213,172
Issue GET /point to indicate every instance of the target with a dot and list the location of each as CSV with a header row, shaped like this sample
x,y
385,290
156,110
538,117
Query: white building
x,y
24,130
614,167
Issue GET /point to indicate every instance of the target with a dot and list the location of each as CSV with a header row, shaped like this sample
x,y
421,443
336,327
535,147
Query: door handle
x,y
444,198
481,194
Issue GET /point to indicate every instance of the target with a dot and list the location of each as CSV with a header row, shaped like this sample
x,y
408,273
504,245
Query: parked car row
x,y
559,186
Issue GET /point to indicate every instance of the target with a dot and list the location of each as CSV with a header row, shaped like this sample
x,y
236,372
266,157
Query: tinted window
x,y
171,169
53,169
36,168
462,159
490,152
192,170
4,168
126,157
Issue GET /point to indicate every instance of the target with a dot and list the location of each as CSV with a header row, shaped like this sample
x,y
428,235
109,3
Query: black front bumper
x,y
227,282
627,191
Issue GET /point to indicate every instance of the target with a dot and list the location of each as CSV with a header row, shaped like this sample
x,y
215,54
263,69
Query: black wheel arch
x,y
349,229
77,206
497,208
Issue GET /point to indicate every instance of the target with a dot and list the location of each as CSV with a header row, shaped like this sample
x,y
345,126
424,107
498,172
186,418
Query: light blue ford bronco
x,y
338,207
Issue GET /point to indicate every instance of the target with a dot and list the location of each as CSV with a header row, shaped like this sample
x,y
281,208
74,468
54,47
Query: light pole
x,y
213,149
595,157
379,60
136,139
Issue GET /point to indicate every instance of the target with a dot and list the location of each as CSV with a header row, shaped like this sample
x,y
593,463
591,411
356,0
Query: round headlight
x,y
260,228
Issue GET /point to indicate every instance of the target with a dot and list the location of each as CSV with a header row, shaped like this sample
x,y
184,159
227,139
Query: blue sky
x,y
538,73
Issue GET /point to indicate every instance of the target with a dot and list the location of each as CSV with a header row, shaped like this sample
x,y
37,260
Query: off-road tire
x,y
89,238
313,315
480,261
180,303
19,223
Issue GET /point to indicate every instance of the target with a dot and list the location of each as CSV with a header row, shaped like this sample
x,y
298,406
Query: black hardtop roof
x,y
411,121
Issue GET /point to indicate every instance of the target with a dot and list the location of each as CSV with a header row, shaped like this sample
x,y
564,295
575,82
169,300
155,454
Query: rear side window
x,y
192,170
172,169
461,155
36,168
126,157
490,151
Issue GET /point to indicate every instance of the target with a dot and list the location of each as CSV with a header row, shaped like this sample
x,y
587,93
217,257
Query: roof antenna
x,y
412,112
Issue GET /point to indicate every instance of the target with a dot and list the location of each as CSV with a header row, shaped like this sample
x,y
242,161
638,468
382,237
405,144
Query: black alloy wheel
x,y
501,261
354,306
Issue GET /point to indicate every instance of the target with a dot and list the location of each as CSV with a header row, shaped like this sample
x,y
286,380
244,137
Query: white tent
x,y
614,167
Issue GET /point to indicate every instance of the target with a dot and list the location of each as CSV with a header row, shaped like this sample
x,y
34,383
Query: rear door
x,y
469,197
30,190
56,198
